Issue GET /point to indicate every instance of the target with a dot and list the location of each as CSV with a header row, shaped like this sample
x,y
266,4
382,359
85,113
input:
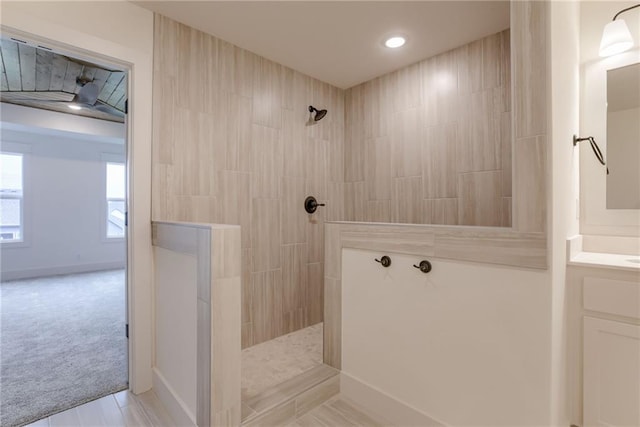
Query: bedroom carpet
x,y
62,343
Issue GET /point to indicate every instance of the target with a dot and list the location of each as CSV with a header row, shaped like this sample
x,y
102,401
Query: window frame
x,y
111,159
22,241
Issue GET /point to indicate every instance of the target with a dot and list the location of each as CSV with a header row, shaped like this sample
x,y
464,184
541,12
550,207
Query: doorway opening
x,y
63,231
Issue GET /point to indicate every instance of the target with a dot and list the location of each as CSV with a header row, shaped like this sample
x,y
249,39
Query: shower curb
x,y
290,400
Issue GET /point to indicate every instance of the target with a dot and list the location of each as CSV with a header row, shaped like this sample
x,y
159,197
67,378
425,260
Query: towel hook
x,y
385,261
424,266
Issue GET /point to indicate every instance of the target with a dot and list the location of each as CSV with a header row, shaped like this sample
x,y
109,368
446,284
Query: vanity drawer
x,y
617,297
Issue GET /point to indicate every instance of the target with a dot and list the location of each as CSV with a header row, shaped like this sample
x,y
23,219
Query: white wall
x,y
114,32
565,101
64,199
466,344
595,218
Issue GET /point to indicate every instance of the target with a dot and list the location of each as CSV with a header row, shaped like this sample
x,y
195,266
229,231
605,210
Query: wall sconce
x,y
616,37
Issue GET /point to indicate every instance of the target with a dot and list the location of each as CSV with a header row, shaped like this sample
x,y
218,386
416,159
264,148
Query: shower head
x,y
319,113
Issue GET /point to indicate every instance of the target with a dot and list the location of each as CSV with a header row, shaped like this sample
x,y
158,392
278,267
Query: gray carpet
x,y
62,343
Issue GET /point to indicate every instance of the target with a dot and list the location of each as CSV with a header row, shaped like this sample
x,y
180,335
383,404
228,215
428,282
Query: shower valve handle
x,y
311,204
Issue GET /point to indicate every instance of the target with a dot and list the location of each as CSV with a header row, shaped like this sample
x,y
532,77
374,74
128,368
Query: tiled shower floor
x,y
273,362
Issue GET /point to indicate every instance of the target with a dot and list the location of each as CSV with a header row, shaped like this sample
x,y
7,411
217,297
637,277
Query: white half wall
x,y
466,344
176,327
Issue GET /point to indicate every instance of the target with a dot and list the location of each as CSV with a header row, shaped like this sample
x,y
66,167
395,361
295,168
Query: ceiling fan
x,y
87,97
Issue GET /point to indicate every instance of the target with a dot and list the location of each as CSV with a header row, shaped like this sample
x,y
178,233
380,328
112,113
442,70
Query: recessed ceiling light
x,y
75,107
394,42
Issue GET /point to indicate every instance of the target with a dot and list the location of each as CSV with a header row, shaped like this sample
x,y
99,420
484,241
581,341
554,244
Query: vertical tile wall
x,y
231,145
431,143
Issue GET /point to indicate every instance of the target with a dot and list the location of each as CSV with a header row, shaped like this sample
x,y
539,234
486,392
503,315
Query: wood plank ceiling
x,y
39,78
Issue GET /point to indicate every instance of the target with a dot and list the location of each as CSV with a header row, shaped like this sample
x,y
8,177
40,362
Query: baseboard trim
x,y
34,273
174,405
383,405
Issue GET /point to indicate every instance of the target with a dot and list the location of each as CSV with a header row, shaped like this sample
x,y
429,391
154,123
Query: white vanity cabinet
x,y
604,346
611,373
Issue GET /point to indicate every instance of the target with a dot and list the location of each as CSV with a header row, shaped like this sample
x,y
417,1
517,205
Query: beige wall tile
x,y
378,168
407,200
265,234
439,161
267,162
316,167
407,88
314,296
354,200
529,67
233,202
491,61
332,347
433,120
354,139
377,211
294,277
405,144
529,185
294,217
267,306
440,211
267,93
480,200
238,133
315,235
506,143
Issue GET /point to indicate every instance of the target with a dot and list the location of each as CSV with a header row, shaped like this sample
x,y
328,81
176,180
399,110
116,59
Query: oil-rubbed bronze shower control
x,y
311,204
424,266
385,261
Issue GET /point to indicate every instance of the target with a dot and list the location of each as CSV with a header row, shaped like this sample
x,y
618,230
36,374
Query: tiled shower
x,y
233,143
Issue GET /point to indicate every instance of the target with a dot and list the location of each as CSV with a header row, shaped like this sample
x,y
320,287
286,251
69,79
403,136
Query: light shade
x,y
75,107
616,38
394,42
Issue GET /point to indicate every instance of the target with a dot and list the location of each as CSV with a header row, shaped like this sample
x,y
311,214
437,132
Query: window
x,y
11,202
116,213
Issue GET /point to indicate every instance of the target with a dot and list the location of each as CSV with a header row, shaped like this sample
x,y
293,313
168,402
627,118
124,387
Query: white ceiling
x,y
340,42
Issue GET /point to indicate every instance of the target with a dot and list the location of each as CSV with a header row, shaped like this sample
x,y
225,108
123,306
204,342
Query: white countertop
x,y
594,259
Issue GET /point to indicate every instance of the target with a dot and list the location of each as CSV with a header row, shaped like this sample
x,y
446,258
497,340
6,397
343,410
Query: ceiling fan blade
x,y
105,108
88,94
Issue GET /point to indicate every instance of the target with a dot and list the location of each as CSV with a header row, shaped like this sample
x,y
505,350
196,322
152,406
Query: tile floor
x,y
299,390
121,409
338,412
276,361
264,366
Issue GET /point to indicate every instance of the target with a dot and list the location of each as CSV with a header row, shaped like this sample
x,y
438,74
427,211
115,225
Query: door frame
x,y
139,67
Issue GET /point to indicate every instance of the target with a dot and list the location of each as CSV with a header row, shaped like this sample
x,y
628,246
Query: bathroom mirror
x,y
623,137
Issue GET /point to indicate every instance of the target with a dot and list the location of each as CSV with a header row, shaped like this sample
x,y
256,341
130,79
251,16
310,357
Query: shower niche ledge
x,y
490,245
